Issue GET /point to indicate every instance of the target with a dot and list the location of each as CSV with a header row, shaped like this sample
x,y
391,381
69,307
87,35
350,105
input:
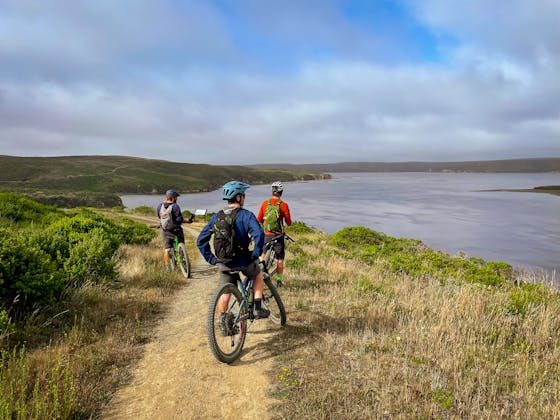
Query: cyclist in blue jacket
x,y
246,228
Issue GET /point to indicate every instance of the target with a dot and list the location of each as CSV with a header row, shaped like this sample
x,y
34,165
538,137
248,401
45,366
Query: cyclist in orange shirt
x,y
273,220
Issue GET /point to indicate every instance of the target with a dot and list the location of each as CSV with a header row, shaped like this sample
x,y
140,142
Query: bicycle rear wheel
x,y
272,301
226,337
184,261
270,261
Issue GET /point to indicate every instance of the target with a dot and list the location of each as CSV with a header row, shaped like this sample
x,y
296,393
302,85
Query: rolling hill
x,y
488,166
97,181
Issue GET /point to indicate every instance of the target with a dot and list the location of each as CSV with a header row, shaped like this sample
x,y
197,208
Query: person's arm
x,y
255,232
203,242
158,210
286,212
178,214
262,211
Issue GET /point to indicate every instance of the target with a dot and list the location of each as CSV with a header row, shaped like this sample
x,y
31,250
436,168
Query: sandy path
x,y
179,378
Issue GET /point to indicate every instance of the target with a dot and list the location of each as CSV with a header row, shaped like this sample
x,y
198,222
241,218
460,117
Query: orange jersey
x,y
284,211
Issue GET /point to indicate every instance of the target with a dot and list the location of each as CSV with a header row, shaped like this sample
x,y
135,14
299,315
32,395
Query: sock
x,y
258,304
279,276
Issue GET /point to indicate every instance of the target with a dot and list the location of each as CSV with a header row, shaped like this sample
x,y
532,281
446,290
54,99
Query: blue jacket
x,y
246,227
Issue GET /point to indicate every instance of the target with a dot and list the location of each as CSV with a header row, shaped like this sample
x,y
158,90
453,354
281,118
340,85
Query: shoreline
x,y
554,190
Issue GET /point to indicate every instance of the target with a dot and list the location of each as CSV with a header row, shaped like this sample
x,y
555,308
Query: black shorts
x,y
168,237
278,246
251,271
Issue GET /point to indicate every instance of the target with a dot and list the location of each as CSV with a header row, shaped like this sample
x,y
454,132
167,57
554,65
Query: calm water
x,y
446,211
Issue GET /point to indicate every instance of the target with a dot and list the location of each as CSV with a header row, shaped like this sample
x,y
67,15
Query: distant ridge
x,y
484,166
97,181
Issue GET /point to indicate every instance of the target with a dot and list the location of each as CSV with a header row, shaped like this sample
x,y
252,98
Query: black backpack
x,y
226,246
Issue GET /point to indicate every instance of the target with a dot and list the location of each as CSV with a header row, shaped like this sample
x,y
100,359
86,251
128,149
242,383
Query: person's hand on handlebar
x,y
189,220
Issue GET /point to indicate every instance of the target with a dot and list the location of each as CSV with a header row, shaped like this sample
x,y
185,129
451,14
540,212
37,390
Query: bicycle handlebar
x,y
283,234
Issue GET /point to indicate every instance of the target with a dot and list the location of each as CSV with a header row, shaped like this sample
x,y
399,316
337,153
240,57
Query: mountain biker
x,y
283,217
245,227
169,234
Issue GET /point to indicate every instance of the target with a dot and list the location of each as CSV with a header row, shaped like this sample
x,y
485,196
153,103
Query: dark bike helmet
x,y
172,193
277,187
233,188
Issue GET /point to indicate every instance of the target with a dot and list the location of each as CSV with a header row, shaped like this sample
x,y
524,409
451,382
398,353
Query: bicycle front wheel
x,y
272,301
184,261
226,323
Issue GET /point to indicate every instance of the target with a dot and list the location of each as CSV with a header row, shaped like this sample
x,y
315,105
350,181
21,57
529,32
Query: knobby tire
x,y
273,302
184,261
226,349
270,261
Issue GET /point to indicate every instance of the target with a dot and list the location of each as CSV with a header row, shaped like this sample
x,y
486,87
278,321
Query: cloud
x,y
195,82
105,40
524,30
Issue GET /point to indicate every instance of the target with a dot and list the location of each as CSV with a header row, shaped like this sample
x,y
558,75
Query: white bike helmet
x,y
277,187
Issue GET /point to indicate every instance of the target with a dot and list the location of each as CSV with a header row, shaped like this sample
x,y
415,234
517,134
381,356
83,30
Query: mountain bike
x,y
270,256
227,331
178,256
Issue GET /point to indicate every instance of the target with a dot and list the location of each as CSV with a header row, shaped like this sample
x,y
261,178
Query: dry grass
x,y
364,343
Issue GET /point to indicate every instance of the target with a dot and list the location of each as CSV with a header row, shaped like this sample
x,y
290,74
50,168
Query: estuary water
x,y
447,211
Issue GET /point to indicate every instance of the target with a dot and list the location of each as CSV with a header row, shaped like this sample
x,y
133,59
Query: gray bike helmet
x,y
172,193
277,187
233,188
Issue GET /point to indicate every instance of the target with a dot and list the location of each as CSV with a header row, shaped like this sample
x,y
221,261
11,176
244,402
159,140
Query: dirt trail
x,y
179,378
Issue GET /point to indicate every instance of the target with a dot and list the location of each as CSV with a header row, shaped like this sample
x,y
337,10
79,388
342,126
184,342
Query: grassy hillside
x,y
378,327
508,165
71,310
97,180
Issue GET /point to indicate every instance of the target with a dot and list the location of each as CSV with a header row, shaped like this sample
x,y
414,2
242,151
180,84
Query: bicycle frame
x,y
176,249
231,308
268,250
178,258
275,239
245,286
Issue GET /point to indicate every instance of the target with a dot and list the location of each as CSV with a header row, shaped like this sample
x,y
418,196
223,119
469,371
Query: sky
x,y
258,81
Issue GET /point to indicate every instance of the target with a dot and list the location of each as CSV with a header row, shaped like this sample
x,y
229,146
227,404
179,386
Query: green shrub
x,y
357,236
144,210
412,257
121,231
71,228
131,232
38,260
27,272
299,227
526,296
20,210
366,288
55,244
90,258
